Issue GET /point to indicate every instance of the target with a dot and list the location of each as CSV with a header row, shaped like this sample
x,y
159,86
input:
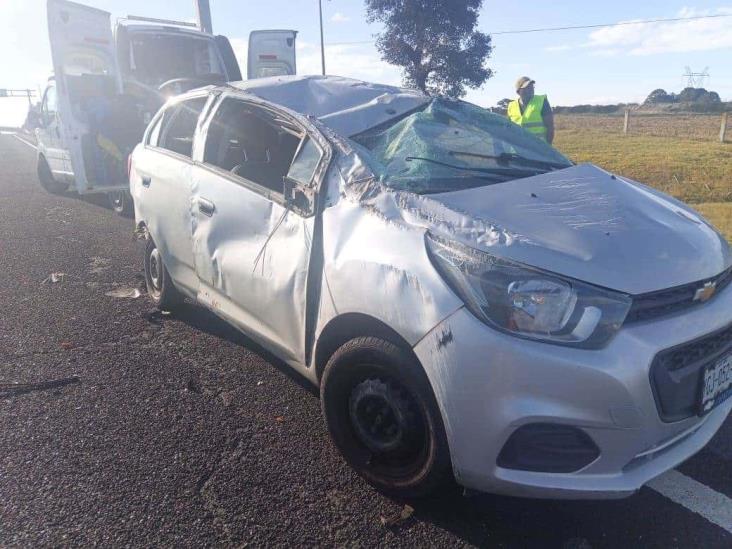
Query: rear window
x,y
178,126
156,58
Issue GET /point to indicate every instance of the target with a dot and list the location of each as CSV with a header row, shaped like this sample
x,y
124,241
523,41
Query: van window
x,y
158,57
180,126
88,73
247,142
49,102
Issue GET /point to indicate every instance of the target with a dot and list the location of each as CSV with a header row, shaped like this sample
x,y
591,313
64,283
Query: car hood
x,y
587,224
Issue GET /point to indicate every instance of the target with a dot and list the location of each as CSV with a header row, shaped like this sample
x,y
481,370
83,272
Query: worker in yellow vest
x,y
532,112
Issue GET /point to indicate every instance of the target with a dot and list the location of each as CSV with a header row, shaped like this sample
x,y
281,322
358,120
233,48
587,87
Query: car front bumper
x,y
488,384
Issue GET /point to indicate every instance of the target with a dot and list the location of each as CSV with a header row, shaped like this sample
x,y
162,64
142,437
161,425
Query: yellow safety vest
x,y
530,119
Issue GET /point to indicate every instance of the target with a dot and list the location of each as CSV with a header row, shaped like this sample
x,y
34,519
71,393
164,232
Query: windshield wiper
x,y
491,171
505,158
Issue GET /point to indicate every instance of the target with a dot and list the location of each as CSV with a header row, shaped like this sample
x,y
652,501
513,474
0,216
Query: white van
x,y
108,85
271,53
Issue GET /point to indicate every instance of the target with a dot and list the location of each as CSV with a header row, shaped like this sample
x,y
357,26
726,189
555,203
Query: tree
x,y
434,41
659,96
502,106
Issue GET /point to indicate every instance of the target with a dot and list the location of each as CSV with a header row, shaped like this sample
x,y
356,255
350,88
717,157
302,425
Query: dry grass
x,y
719,214
691,170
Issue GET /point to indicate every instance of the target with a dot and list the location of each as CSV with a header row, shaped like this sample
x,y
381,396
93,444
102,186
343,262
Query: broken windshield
x,y
452,145
156,58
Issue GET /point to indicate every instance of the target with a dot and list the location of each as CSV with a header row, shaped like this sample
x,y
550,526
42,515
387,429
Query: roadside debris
x,y
66,345
54,278
392,520
124,293
12,389
98,265
260,383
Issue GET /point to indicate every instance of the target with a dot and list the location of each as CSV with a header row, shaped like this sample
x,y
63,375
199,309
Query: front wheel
x,y
157,279
383,417
121,202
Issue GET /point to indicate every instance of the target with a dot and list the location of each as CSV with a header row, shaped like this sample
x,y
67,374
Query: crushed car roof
x,y
347,106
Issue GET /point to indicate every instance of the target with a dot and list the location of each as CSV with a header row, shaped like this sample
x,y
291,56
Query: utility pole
x,y
322,44
203,11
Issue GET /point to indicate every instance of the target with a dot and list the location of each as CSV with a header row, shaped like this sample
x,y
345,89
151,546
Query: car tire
x,y
121,202
160,286
46,179
383,417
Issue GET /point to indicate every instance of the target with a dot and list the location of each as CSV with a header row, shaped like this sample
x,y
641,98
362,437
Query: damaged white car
x,y
470,303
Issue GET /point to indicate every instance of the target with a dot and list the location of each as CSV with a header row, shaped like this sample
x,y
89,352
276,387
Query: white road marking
x,y
26,142
696,497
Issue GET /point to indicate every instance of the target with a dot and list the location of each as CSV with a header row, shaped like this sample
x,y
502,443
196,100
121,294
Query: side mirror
x,y
298,197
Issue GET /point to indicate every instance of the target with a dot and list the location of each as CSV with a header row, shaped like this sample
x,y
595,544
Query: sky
x,y
600,65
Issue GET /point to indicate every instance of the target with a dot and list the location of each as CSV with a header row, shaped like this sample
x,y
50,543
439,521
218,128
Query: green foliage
x,y
687,95
502,106
435,42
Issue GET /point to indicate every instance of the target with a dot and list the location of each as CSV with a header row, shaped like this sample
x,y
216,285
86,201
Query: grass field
x,y
719,214
694,170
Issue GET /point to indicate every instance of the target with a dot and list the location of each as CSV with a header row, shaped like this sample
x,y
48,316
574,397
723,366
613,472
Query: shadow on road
x,y
205,321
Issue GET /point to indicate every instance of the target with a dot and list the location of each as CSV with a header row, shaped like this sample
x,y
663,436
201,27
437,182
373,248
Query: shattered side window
x,y
306,162
452,145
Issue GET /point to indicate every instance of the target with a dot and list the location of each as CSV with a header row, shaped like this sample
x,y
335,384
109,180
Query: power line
x,y
574,27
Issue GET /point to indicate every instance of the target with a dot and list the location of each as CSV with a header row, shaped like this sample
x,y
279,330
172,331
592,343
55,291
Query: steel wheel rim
x,y
155,269
387,421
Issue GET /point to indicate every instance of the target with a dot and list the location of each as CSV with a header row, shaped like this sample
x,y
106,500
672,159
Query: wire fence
x,y
706,127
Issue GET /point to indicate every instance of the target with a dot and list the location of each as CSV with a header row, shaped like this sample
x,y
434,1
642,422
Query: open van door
x,y
271,53
89,95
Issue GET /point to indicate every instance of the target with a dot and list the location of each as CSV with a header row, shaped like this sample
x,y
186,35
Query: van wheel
x,y
157,279
383,417
46,179
121,202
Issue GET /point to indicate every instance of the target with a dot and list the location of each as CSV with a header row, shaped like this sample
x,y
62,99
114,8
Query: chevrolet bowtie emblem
x,y
706,292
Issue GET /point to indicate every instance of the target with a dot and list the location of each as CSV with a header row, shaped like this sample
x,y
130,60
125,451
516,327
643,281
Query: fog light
x,y
548,448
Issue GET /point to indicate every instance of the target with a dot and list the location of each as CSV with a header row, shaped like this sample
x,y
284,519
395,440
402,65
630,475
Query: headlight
x,y
526,301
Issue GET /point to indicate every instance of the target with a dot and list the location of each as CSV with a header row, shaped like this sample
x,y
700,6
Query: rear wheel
x,y
121,203
157,279
46,179
383,417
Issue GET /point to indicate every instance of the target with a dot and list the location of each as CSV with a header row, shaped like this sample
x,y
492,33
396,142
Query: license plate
x,y
716,384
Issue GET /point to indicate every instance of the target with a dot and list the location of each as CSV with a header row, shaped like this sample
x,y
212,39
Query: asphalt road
x,y
181,431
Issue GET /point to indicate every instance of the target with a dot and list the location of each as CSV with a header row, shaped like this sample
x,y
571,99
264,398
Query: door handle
x,y
206,207
146,181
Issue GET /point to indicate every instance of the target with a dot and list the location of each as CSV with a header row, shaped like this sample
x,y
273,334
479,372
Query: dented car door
x,y
252,250
163,194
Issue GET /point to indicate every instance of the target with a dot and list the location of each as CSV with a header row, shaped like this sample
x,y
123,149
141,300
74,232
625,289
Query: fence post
x,y
626,122
723,129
